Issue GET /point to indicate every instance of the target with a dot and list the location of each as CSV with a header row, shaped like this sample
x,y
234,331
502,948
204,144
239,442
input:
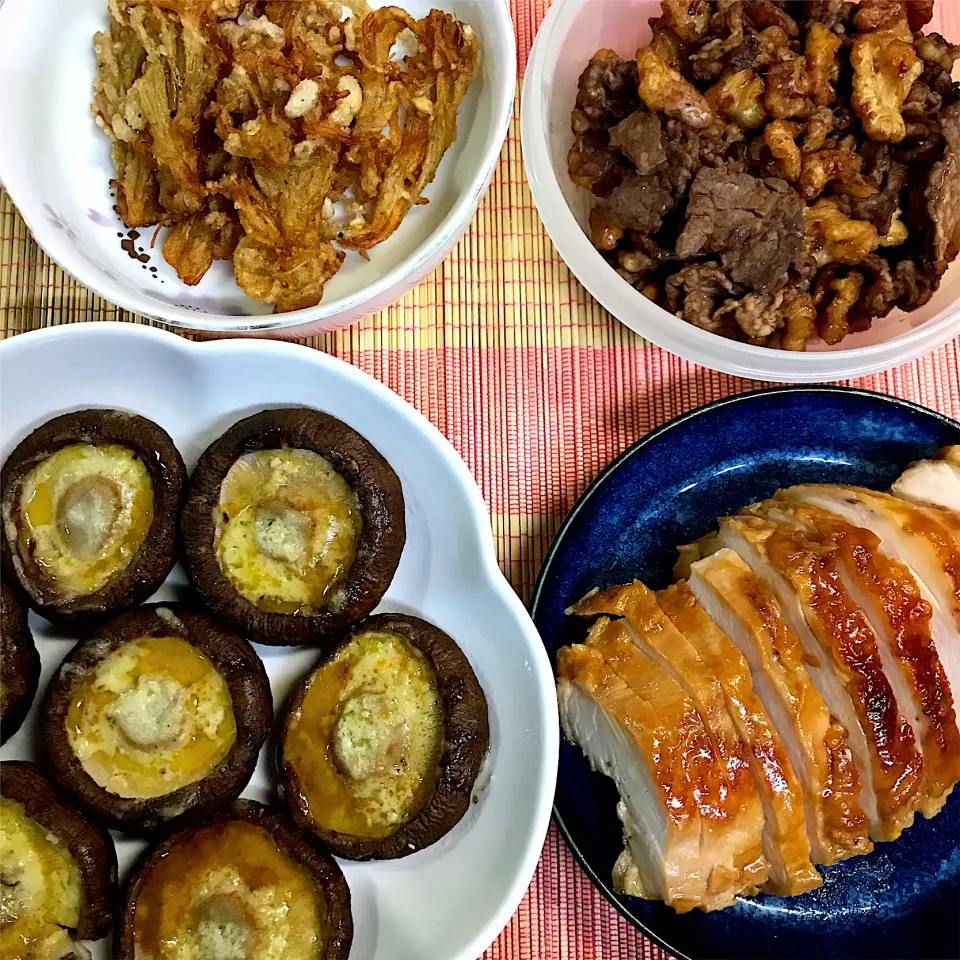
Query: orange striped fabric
x,y
538,388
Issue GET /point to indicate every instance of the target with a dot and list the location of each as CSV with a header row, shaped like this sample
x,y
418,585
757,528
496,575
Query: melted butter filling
x,y
228,892
367,738
84,513
40,888
286,530
153,716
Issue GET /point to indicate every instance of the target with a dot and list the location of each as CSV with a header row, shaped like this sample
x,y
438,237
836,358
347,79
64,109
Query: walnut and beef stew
x,y
774,170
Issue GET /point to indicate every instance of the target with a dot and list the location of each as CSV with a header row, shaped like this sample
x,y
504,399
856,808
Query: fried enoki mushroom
x,y
276,134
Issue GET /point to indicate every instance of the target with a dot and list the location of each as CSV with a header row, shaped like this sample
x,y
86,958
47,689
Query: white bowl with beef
x,y
570,36
56,164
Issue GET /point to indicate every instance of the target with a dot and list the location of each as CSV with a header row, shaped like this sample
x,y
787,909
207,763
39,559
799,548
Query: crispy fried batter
x,y
662,88
885,65
242,125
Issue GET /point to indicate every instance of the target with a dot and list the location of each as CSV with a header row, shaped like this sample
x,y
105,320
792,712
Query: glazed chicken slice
x,y
748,613
738,861
785,841
923,538
842,658
887,594
934,482
651,742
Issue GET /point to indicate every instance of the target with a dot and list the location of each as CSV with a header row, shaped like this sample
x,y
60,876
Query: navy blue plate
x,y
902,901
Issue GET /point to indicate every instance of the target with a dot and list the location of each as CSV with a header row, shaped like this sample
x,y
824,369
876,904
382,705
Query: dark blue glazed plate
x,y
903,900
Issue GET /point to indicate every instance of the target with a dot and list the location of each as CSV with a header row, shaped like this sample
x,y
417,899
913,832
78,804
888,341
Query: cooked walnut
x,y
885,65
818,127
604,233
826,166
799,319
834,320
837,237
781,137
880,14
766,13
662,88
788,86
740,97
690,19
822,63
666,44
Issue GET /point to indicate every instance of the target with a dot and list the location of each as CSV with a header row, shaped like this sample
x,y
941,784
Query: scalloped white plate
x,y
451,900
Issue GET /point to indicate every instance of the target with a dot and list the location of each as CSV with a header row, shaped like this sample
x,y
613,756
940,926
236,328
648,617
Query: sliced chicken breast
x,y
746,609
915,535
743,865
625,738
842,658
785,841
933,482
887,593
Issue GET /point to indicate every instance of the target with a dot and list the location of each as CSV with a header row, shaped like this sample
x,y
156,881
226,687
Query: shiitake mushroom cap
x,y
156,557
19,664
324,870
92,848
466,742
250,694
374,483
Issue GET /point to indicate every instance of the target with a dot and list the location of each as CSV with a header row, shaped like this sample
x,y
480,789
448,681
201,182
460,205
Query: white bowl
x,y
571,33
55,163
446,902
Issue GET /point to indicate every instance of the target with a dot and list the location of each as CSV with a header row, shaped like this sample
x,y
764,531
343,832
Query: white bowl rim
x,y
682,338
456,220
496,581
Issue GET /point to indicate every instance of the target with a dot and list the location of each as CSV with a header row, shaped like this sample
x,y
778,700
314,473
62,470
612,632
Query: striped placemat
x,y
538,388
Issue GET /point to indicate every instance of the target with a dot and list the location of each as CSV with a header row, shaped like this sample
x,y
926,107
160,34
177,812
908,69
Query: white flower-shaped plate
x,y
447,902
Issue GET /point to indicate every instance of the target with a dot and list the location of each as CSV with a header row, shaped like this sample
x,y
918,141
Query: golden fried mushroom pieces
x,y
767,170
276,134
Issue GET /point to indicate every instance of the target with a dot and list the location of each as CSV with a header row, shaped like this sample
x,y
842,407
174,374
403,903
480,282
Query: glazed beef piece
x,y
607,93
885,175
594,164
666,156
943,195
756,226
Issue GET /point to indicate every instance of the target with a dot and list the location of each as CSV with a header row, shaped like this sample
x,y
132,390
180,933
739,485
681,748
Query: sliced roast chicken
x,y
887,594
934,482
746,608
792,700
636,725
734,811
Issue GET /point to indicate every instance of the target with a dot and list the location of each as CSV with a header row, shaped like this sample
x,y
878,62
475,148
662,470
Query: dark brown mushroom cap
x,y
91,847
249,688
466,741
321,866
378,492
147,570
19,664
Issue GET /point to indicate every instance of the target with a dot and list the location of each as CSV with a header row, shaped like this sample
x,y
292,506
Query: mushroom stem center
x,y
223,930
371,736
283,534
152,713
87,513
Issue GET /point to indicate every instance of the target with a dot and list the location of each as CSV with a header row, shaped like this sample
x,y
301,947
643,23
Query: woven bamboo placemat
x,y
538,388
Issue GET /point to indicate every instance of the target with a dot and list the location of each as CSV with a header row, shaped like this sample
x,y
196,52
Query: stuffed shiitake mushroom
x,y
19,664
157,718
383,742
293,526
89,505
58,871
246,886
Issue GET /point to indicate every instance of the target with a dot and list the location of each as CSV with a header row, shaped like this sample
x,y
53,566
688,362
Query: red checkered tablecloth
x,y
538,388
